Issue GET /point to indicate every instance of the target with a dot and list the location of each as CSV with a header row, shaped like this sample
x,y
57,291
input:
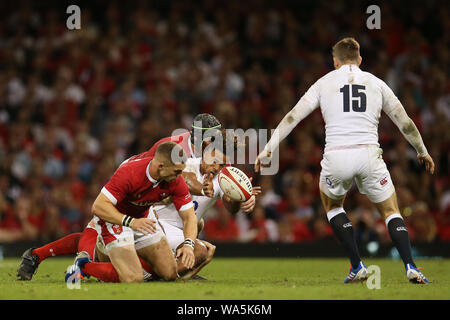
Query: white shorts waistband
x,y
354,146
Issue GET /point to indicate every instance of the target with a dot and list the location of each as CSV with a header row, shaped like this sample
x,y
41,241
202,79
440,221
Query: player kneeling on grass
x,y
201,176
128,229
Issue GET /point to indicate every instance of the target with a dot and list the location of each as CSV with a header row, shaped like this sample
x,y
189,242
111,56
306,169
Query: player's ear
x,y
336,63
359,60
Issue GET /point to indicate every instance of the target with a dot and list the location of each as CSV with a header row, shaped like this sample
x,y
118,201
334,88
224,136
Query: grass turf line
x,y
238,278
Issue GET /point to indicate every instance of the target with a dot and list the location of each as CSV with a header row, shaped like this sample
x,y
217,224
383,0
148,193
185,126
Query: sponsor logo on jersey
x,y
401,229
329,182
143,204
383,181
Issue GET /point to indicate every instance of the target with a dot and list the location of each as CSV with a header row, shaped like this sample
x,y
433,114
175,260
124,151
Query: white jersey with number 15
x,y
351,101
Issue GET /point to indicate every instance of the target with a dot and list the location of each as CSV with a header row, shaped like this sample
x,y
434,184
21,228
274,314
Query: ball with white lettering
x,y
235,184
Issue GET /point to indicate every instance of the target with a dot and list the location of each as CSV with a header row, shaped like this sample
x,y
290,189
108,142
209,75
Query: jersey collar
x,y
147,171
349,67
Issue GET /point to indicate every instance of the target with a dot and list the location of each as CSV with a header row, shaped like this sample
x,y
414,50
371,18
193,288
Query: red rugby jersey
x,y
132,190
182,139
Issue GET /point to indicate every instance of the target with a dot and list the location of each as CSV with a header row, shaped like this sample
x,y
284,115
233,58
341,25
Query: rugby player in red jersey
x,y
86,240
121,208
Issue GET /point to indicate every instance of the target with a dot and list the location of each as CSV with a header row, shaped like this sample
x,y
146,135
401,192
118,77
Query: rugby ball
x,y
235,184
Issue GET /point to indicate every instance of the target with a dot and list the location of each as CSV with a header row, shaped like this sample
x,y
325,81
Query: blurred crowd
x,y
75,104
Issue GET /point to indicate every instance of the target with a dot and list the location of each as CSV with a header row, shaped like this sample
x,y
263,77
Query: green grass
x,y
259,279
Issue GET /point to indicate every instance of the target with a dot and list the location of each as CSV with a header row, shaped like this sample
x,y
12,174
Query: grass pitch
x,y
237,278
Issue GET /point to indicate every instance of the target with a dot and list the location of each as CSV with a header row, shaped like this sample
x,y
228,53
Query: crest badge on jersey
x,y
117,229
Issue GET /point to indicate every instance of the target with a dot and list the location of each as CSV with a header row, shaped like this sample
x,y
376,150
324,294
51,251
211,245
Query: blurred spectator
x,y
258,228
223,227
321,229
75,104
21,222
421,223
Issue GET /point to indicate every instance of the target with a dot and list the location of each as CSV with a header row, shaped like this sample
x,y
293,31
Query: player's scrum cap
x,y
203,122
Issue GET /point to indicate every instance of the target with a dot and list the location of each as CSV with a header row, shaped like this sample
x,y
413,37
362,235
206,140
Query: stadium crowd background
x,y
75,104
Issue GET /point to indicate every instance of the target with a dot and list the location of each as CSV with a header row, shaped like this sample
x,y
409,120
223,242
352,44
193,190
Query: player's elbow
x,y
96,208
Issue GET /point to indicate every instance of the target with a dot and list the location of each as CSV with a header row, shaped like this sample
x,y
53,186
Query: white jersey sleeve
x,y
168,212
307,103
390,100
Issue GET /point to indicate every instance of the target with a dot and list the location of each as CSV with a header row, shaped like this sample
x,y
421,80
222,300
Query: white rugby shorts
x,y
174,235
144,240
115,236
362,164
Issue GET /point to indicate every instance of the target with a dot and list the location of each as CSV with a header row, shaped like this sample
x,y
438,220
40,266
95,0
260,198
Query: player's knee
x,y
131,277
169,274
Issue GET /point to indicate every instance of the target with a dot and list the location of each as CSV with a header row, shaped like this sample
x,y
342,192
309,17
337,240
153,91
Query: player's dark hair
x,y
346,50
170,152
206,121
203,122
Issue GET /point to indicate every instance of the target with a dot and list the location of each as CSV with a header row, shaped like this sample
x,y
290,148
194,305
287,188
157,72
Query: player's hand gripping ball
x,y
235,184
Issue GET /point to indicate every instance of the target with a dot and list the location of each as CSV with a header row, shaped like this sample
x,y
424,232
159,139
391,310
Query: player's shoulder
x,y
134,166
179,138
327,78
176,138
372,76
178,183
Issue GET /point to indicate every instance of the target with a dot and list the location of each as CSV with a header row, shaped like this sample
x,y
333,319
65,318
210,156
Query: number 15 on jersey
x,y
358,98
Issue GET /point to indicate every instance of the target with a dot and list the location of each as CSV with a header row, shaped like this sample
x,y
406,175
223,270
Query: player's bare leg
x,y
102,269
204,252
343,229
330,204
161,259
400,237
126,262
100,253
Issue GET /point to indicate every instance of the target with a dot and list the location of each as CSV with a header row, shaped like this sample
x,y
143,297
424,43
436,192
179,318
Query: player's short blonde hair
x,y
170,153
346,50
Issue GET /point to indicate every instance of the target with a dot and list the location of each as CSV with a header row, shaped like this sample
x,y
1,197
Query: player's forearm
x,y
189,224
230,205
408,129
195,187
105,210
289,122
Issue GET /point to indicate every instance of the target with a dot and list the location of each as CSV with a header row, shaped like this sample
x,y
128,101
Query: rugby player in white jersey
x,y
201,176
351,101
